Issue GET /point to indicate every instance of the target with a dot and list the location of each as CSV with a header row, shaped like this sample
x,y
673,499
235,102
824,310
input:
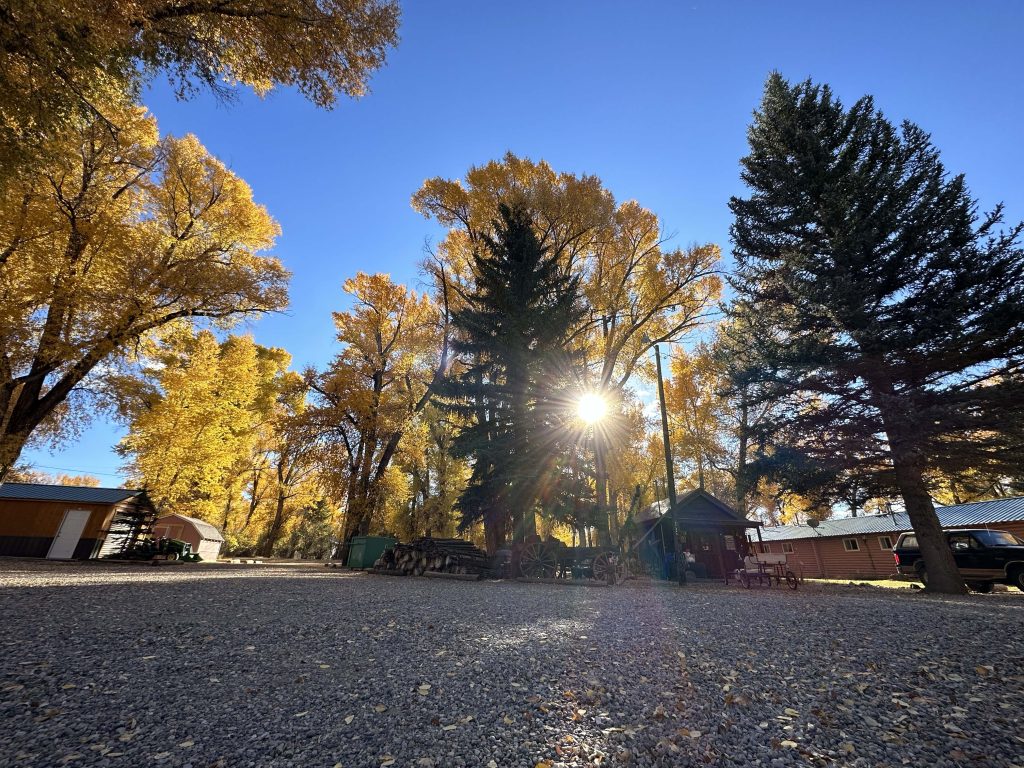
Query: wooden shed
x,y
861,547
705,526
205,539
64,522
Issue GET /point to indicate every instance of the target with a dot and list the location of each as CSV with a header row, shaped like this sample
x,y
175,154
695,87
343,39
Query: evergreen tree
x,y
885,312
513,334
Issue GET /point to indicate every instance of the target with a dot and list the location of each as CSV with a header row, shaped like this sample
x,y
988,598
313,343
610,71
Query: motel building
x,y
861,547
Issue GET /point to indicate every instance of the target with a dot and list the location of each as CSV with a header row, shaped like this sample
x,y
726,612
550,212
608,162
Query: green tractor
x,y
165,549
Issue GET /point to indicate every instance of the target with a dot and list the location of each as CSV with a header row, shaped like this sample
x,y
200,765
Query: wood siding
x,y
27,528
176,527
826,557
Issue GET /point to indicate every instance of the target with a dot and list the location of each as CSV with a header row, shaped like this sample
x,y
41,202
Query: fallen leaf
x,y
186,744
789,744
301,714
379,708
423,690
349,719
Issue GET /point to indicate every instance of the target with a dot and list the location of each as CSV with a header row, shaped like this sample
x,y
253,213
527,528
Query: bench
x,y
765,566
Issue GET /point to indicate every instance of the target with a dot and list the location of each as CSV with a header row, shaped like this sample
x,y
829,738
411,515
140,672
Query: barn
x,y
205,539
861,547
65,522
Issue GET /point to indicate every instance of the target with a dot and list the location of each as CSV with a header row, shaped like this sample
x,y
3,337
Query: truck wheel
x,y
984,587
1017,579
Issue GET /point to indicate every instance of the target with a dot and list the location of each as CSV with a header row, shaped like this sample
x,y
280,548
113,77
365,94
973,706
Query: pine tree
x,y
886,313
513,333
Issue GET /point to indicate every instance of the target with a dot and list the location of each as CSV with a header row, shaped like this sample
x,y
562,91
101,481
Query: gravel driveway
x,y
293,666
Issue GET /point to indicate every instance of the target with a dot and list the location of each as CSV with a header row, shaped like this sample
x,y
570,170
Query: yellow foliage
x,y
121,233
634,287
60,61
374,388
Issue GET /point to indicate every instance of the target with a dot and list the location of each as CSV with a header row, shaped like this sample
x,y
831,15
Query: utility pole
x,y
670,476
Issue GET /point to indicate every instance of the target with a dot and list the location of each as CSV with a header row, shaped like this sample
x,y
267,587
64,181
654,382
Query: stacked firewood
x,y
430,555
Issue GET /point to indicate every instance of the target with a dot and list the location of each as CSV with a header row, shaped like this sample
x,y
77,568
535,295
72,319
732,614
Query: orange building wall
x,y
826,557
27,527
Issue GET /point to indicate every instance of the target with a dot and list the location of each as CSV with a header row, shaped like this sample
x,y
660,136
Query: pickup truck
x,y
983,557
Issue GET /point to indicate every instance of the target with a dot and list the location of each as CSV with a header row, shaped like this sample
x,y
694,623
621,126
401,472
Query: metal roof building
x,y
80,494
978,513
205,539
70,522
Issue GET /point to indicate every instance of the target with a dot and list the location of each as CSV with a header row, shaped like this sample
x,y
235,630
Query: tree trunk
x,y
11,446
899,419
274,532
943,575
742,492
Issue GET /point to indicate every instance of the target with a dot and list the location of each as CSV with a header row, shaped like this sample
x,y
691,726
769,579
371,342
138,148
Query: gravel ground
x,y
298,666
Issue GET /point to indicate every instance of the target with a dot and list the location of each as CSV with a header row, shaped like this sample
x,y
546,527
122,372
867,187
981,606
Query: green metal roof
x,y
75,494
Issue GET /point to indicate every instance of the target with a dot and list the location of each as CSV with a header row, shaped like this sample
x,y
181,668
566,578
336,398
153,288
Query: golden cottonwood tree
x,y
392,352
638,292
697,419
293,458
120,234
60,61
435,476
204,409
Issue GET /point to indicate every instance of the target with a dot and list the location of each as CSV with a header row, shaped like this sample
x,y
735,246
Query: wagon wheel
x,y
599,567
745,579
791,580
537,561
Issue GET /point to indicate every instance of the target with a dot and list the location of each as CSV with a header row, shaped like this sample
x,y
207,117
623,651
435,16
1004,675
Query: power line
x,y
82,471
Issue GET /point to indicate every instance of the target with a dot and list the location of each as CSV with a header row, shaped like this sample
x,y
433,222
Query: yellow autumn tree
x,y
697,420
203,409
367,399
638,291
61,61
119,234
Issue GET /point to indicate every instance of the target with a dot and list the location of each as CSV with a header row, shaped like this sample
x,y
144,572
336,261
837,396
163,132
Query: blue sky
x,y
654,98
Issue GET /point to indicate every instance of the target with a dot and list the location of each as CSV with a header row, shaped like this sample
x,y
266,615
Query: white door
x,y
63,546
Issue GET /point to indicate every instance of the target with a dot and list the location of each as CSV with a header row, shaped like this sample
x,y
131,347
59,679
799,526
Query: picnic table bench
x,y
763,567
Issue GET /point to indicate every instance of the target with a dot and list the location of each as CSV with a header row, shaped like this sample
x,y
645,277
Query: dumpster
x,y
363,551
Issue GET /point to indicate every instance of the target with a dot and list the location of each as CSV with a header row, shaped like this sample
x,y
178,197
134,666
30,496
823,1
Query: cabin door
x,y
68,535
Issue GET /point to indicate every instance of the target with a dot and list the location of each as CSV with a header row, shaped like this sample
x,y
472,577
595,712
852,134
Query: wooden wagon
x,y
553,559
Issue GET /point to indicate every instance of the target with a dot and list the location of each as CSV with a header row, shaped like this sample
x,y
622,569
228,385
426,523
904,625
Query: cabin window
x,y
885,542
730,543
851,545
787,547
